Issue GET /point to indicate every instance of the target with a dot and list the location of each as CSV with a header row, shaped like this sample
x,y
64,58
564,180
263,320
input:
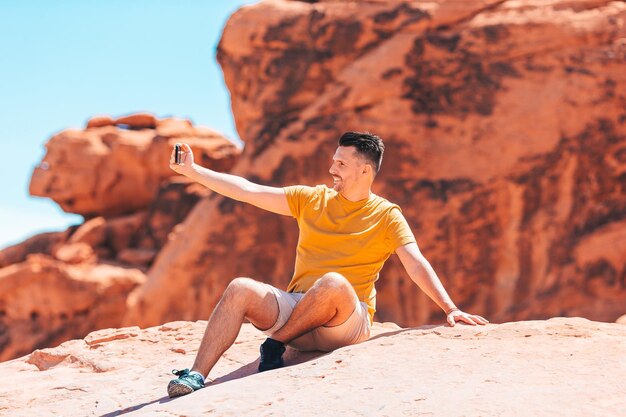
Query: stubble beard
x,y
338,185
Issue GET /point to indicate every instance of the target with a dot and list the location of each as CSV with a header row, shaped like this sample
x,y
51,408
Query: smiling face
x,y
349,170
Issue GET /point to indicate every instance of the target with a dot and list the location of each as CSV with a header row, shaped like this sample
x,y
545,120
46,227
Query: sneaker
x,y
187,382
271,355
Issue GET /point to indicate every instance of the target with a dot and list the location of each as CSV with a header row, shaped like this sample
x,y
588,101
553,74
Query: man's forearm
x,y
423,274
425,277
232,186
228,185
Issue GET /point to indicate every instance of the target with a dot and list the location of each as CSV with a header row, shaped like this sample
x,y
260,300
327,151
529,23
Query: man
x,y
346,235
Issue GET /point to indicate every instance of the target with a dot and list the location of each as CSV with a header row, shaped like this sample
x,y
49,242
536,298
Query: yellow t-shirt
x,y
351,238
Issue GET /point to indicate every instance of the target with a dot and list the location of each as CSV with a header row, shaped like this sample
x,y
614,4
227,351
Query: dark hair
x,y
367,145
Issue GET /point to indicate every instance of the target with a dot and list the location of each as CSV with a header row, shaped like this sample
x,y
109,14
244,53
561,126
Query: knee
x,y
334,282
238,288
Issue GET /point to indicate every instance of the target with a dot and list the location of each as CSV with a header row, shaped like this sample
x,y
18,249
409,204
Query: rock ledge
x,y
562,366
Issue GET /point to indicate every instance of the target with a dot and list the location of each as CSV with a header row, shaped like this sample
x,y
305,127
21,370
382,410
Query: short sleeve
x,y
297,196
398,232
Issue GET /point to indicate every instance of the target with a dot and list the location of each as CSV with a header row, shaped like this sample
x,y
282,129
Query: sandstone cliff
x,y
505,126
566,367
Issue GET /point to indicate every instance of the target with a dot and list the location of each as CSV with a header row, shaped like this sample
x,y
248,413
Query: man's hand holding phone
x,y
181,159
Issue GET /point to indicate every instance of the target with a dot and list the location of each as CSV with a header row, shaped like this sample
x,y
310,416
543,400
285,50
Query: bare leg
x,y
244,298
330,302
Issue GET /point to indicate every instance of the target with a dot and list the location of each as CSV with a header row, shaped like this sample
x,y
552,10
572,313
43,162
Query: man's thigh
x,y
353,330
261,308
284,303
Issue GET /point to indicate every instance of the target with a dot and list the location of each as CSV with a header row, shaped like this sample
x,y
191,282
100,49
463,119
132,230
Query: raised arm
x,y
268,198
423,274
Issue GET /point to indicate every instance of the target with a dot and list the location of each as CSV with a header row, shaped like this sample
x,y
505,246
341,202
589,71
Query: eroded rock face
x,y
551,367
505,127
115,167
132,240
61,285
44,302
44,243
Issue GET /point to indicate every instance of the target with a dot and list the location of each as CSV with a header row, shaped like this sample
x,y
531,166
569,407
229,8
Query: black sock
x,y
274,343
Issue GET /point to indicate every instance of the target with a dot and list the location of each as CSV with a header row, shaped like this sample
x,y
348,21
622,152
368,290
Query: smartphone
x,y
177,154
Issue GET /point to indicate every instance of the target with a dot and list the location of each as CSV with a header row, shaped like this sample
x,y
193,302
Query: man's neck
x,y
356,195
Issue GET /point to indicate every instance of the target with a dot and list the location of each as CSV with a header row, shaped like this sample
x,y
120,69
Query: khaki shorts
x,y
355,329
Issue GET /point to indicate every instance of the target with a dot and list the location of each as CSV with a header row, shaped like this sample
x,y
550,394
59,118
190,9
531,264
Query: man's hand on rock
x,y
186,160
457,315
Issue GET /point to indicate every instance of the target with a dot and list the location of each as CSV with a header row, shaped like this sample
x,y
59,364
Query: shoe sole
x,y
176,390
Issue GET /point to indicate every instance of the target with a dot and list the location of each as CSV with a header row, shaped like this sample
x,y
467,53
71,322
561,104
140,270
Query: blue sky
x,y
65,61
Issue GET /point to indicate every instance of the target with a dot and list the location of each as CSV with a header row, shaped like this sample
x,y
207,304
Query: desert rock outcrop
x,y
61,285
44,301
571,367
115,167
505,125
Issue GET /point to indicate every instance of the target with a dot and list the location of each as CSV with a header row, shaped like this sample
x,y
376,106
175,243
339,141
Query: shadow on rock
x,y
291,357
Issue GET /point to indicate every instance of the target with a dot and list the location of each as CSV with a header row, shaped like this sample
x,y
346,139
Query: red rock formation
x,y
116,167
506,140
44,301
133,239
526,368
124,246
506,143
137,121
100,121
44,243
79,280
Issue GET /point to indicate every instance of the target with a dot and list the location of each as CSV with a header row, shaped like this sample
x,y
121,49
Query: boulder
x,y
76,253
44,243
92,232
138,121
175,127
100,121
107,170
